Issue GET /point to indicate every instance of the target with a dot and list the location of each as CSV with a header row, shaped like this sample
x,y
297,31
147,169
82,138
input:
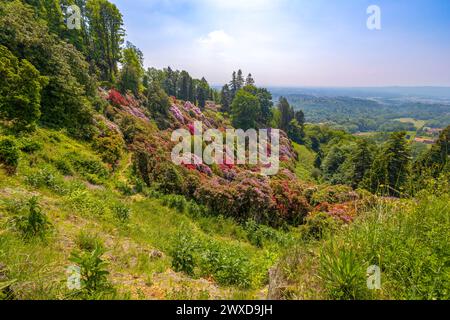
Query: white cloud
x,y
216,40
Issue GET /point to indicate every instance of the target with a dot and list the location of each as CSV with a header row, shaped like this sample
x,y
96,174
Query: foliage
x,y
93,271
245,110
65,101
130,78
121,212
20,91
9,154
29,219
183,254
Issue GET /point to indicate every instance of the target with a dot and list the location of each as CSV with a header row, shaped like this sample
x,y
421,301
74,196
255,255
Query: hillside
x,y
94,206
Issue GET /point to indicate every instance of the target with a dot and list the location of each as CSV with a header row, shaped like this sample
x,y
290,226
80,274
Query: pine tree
x,y
287,113
225,98
233,85
249,81
239,80
300,117
391,167
361,160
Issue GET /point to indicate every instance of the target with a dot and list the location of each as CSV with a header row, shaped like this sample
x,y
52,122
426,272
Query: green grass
x,y
305,165
408,240
419,124
86,211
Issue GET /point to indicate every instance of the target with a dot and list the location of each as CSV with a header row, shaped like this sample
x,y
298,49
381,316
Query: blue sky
x,y
295,42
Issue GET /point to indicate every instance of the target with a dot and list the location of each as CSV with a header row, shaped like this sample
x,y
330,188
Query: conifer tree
x,y
249,81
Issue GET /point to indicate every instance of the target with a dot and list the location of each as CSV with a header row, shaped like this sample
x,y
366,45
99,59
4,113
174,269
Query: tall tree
x,y
107,35
225,98
239,80
20,91
287,113
245,110
361,160
249,81
300,117
202,92
391,167
233,85
132,72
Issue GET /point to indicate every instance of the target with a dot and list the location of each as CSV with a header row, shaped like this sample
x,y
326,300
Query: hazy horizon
x,y
301,43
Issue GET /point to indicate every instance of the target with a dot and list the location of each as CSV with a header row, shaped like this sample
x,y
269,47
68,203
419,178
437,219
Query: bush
x,y
318,225
30,221
110,146
89,167
229,265
46,177
30,146
9,154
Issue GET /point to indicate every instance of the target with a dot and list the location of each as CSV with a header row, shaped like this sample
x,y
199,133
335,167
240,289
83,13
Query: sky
x,y
295,42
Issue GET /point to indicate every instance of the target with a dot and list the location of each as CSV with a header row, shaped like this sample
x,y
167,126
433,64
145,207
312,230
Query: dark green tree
x,y
391,167
245,110
20,91
249,81
286,112
132,72
225,98
106,37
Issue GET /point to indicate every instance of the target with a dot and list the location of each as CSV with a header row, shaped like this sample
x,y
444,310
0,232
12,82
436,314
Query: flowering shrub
x,y
291,205
334,194
116,98
177,113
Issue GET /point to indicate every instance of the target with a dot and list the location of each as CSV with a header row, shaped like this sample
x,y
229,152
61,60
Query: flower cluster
x,y
116,98
177,113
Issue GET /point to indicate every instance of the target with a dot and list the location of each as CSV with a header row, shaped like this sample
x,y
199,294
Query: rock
x,y
155,254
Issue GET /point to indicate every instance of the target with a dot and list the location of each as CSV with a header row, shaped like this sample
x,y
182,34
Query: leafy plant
x,y
183,254
93,271
30,220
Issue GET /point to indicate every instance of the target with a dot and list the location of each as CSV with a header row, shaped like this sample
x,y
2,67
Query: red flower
x,y
117,99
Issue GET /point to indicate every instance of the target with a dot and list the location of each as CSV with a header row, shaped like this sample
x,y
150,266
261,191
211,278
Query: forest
x,y
92,207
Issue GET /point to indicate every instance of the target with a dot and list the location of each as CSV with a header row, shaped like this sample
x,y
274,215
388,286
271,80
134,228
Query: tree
x,y
233,86
245,110
361,160
158,101
391,167
170,82
249,81
184,85
239,80
287,113
20,91
202,92
106,37
132,71
295,132
225,98
265,100
67,99
300,117
435,160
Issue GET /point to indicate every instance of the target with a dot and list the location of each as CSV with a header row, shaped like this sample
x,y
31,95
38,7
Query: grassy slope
x,y
407,239
75,205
